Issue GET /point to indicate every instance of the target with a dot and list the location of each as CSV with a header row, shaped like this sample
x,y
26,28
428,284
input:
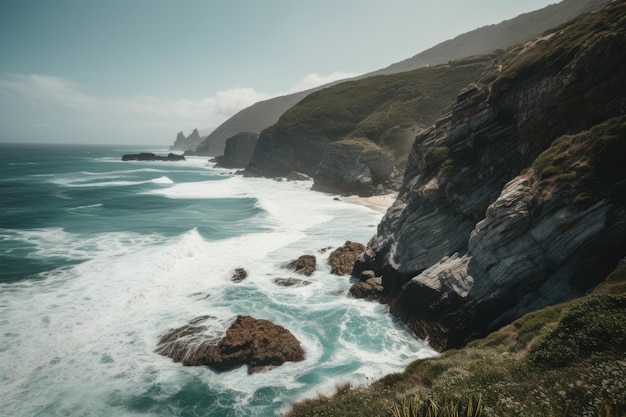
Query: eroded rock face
x,y
353,166
258,343
342,259
238,150
507,203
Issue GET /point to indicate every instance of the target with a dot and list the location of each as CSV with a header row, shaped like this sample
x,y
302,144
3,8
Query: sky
x,y
139,71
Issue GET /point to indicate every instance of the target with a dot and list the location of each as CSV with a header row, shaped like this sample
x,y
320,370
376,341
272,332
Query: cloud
x,y
63,105
49,97
185,113
313,80
47,90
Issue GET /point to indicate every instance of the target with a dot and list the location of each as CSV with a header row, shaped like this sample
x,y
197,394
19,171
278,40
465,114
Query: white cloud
x,y
47,95
185,113
51,97
312,80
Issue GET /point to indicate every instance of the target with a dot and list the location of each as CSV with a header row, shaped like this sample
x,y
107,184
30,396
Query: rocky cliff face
x,y
265,113
238,150
515,199
354,166
381,113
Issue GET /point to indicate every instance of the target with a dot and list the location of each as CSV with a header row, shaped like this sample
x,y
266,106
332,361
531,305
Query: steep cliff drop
x,y
516,198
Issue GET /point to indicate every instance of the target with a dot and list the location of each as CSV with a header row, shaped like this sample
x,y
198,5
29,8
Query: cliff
x,y
238,150
251,119
381,112
265,113
516,198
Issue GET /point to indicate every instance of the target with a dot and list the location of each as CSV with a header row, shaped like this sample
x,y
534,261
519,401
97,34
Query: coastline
x,y
378,202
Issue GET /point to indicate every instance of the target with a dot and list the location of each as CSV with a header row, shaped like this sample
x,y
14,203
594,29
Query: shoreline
x,y
377,202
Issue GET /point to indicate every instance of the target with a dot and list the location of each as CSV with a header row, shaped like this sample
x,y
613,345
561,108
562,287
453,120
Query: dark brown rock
x,y
342,259
372,289
239,275
258,343
304,265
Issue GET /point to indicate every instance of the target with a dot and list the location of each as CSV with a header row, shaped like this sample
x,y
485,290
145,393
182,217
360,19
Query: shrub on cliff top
x,y
588,164
595,325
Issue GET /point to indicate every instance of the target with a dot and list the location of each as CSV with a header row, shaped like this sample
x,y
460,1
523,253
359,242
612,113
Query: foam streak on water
x,y
78,337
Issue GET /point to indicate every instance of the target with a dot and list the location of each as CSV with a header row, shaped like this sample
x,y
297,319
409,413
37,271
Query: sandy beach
x,y
378,202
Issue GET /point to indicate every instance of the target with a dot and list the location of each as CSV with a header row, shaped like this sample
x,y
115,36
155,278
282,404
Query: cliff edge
x,y
516,198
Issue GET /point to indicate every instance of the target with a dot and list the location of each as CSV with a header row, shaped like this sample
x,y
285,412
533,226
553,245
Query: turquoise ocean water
x,y
98,257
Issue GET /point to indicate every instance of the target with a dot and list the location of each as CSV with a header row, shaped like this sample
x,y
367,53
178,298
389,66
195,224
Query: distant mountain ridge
x,y
264,114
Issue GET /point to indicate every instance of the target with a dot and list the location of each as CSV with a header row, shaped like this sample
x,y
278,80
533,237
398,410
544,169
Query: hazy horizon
x,y
139,71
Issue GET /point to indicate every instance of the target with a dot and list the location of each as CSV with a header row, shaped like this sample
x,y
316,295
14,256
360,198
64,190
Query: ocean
x,y
99,257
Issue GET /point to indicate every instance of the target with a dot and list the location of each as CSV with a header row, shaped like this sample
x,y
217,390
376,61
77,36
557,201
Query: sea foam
x,y
80,339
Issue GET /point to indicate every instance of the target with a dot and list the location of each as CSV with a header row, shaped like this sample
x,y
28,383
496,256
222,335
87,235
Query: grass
x,y
585,165
564,360
386,109
537,59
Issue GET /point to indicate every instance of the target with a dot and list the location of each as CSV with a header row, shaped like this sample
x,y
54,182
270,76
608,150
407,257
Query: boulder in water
x,y
258,343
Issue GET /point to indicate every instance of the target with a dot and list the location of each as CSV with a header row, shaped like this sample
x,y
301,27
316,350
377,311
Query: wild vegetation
x,y
386,109
564,360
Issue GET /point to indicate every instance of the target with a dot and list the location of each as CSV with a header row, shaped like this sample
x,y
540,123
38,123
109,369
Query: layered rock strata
x,y
353,166
514,200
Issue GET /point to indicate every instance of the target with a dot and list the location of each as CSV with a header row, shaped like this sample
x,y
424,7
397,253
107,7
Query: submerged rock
x,y
258,343
290,282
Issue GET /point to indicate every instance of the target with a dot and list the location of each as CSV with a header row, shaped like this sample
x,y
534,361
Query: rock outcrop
x,y
353,166
369,286
260,344
238,275
304,265
375,120
189,143
291,282
238,150
514,200
147,156
342,259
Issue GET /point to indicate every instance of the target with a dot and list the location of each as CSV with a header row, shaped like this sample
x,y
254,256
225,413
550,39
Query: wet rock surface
x,y
258,343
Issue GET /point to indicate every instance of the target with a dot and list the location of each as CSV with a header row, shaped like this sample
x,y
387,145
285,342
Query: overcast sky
x,y
139,71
